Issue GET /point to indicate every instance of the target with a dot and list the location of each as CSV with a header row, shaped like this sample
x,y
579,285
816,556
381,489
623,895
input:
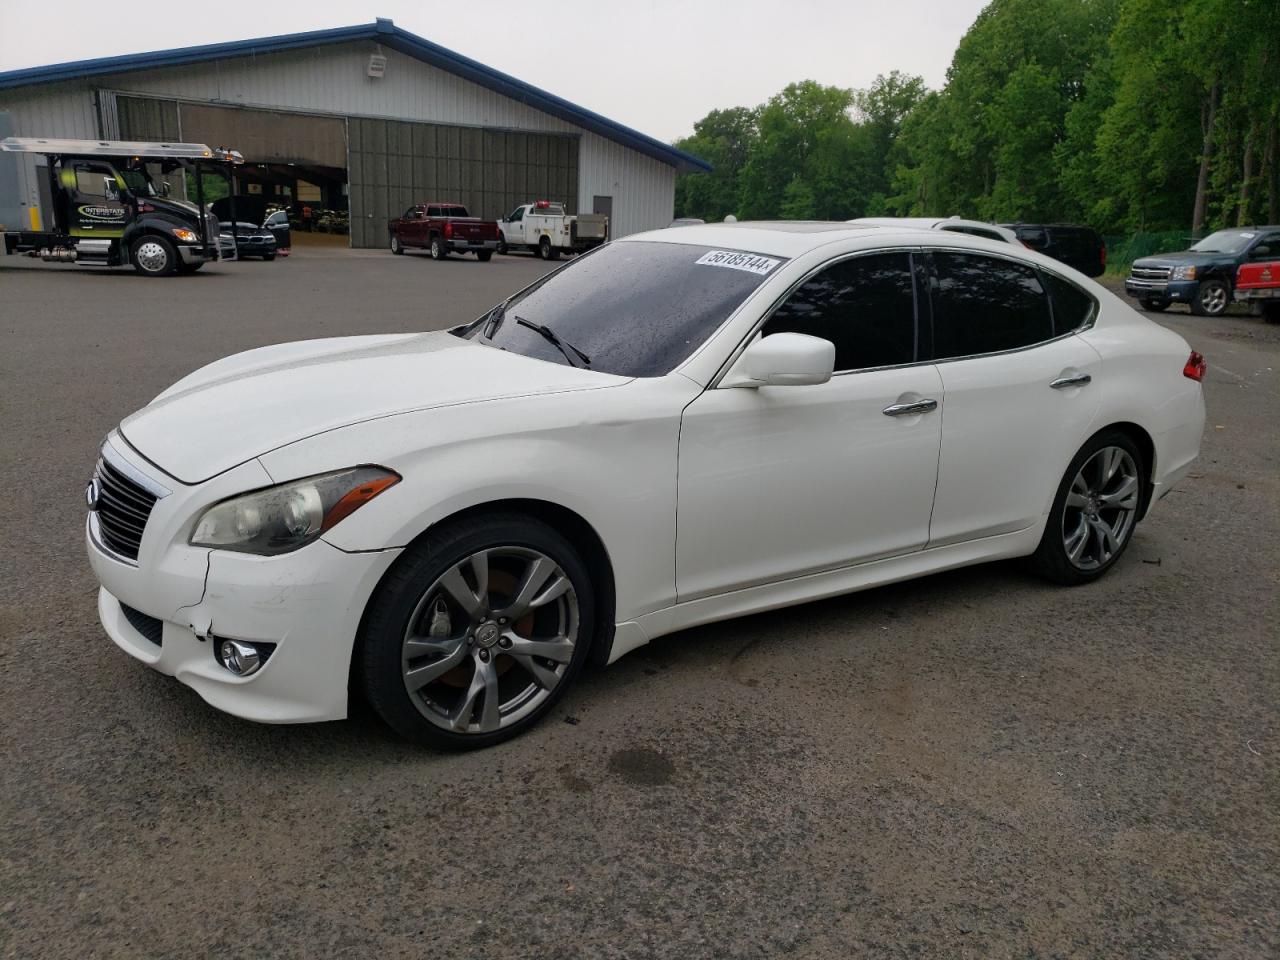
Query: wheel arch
x,y
1147,447
570,524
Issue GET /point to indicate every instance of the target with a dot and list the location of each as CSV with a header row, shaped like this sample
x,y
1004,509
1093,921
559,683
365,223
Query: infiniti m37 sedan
x,y
679,427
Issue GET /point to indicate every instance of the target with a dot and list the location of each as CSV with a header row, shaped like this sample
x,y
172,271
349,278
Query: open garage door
x,y
395,164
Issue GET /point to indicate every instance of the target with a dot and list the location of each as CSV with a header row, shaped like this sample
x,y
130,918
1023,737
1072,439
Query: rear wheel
x,y
1155,306
1211,298
396,246
546,251
438,250
154,256
484,256
477,631
1095,511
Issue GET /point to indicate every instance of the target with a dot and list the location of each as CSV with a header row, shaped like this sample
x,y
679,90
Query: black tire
x,y
154,256
268,257
438,250
409,583
484,256
1211,298
1271,312
1155,306
546,251
396,246
502,243
1051,559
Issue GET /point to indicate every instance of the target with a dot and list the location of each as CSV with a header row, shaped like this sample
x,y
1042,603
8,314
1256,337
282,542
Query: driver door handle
x,y
910,409
1079,380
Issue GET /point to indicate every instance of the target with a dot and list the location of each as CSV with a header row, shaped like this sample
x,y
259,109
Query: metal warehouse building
x,y
370,118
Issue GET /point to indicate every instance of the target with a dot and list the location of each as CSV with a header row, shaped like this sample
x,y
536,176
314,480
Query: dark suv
x,y
1202,277
1076,246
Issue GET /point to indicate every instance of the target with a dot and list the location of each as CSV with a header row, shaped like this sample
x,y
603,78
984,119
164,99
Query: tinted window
x,y
453,212
986,304
636,309
433,211
1033,236
1272,242
865,306
1072,307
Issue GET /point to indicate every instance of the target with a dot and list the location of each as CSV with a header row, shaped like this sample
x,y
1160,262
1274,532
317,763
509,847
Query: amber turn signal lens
x,y
356,498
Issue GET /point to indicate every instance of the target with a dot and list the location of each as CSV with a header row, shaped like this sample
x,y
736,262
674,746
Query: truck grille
x,y
123,509
1151,273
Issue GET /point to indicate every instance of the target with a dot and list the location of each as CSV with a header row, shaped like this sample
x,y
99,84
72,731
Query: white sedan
x,y
679,427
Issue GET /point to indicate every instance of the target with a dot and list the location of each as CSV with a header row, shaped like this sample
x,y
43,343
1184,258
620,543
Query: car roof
x,y
791,238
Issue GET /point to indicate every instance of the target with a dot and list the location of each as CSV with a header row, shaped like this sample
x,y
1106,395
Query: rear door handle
x,y
910,409
1079,380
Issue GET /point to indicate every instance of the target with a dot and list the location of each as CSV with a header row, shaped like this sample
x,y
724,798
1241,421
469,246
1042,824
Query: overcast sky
x,y
656,65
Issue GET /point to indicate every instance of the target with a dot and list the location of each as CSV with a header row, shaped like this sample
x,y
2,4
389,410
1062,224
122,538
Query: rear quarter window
x,y
1072,307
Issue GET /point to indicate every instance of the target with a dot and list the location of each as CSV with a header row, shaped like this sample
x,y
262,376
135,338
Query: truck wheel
x,y
1211,299
502,244
484,256
546,251
438,249
1271,312
1155,306
154,256
396,247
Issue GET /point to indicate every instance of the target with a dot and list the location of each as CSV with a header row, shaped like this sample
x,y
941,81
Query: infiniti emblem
x,y
92,493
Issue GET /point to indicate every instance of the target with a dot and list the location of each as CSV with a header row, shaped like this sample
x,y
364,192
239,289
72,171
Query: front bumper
x,y
1178,291
308,603
194,253
461,244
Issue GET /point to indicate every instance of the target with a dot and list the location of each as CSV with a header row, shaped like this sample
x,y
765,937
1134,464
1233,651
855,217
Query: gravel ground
x,y
971,765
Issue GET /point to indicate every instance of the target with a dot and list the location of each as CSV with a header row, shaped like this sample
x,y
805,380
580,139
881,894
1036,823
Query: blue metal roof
x,y
388,34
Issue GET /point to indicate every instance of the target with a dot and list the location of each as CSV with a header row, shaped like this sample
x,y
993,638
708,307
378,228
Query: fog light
x,y
242,659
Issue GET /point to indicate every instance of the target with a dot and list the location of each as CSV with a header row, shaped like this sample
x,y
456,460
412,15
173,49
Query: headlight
x,y
284,518
186,236
1187,272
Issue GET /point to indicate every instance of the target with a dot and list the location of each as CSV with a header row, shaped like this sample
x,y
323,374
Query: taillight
x,y
1195,367
448,230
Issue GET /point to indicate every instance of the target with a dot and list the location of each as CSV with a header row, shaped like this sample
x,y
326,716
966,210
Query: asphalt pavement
x,y
975,764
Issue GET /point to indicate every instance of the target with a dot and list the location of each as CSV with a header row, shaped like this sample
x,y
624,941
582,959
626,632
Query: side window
x,y
1272,242
433,211
1034,237
865,306
516,214
985,305
1072,307
90,180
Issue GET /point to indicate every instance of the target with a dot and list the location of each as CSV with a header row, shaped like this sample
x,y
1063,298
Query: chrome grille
x,y
1151,273
123,509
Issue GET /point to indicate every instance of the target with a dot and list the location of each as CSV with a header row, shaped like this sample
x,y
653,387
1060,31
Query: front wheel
x,y
477,631
1155,306
438,249
1095,511
154,256
1211,299
502,244
396,246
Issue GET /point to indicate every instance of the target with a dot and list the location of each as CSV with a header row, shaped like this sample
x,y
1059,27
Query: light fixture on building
x,y
377,65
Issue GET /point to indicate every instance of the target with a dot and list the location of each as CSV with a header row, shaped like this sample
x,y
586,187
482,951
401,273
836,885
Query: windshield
x,y
138,182
636,309
1225,241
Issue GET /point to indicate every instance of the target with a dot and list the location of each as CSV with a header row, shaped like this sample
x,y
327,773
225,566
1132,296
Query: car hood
x,y
1182,257
245,405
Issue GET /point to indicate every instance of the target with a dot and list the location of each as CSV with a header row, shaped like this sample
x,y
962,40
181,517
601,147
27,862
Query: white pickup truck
x,y
545,229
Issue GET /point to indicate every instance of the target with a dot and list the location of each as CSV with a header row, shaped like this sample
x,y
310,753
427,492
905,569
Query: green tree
x,y
725,139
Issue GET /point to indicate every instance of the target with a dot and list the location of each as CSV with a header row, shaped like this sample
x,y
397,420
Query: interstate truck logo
x,y
114,214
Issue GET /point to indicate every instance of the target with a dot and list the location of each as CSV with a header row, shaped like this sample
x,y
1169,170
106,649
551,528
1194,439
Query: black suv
x,y
1203,276
1076,246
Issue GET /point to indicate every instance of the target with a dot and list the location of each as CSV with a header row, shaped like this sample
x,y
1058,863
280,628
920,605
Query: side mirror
x,y
109,188
784,360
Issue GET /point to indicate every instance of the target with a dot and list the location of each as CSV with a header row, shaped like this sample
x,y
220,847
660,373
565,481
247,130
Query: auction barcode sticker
x,y
750,262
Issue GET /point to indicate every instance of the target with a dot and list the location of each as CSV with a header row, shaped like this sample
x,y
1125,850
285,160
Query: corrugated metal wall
x,y
332,80
396,164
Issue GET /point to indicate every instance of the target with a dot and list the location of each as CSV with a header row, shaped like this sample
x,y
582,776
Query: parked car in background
x,y
1079,247
443,228
278,223
974,228
1204,276
453,522
1258,284
251,240
544,228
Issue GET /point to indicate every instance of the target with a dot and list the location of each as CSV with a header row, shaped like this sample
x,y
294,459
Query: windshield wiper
x,y
550,335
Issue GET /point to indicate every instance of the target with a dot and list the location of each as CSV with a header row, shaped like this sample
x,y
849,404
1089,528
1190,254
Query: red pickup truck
x,y
1259,284
443,228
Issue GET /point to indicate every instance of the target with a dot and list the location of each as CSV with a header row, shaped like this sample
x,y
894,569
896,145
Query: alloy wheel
x,y
490,639
1213,298
1101,508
